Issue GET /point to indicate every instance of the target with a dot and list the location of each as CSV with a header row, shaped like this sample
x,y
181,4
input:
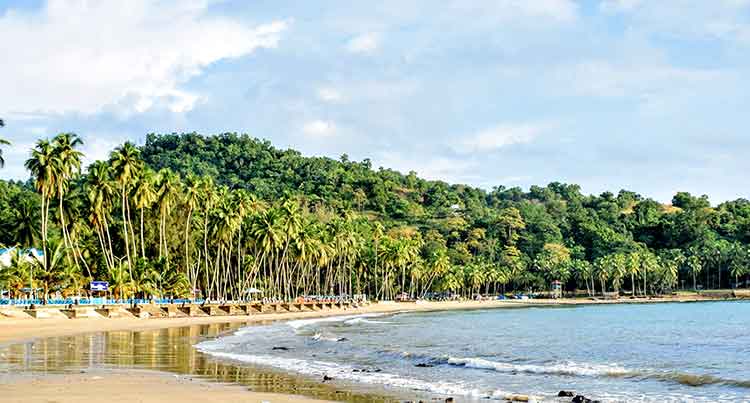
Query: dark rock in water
x,y
327,378
342,339
281,348
583,399
565,393
424,365
449,400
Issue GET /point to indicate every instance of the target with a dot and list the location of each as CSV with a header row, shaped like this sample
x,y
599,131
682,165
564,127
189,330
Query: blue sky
x,y
651,96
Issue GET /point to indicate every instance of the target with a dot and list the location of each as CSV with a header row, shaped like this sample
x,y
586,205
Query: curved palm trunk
x,y
125,231
143,244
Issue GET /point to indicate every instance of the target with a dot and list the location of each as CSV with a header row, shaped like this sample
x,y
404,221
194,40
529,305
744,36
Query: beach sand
x,y
132,386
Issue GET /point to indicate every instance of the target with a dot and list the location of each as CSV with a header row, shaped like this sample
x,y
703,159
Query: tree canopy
x,y
221,213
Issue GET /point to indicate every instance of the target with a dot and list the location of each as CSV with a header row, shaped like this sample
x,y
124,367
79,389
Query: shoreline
x,y
156,384
14,330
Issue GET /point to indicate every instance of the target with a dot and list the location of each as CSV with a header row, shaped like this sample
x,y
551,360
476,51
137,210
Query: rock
x,y
583,399
565,393
449,400
281,348
517,398
327,378
424,365
342,339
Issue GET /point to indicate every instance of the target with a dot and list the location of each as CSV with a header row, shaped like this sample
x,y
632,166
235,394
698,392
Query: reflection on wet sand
x,y
168,350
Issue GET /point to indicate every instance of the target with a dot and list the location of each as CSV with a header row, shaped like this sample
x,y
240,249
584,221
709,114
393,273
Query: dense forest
x,y
216,215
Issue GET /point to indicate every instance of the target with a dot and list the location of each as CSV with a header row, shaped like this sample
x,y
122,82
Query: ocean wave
x,y
356,321
349,373
696,380
298,324
567,368
598,370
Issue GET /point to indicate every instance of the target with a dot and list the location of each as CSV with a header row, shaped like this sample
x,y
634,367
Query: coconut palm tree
x,y
694,267
100,190
144,196
44,164
126,166
168,189
3,142
51,271
192,196
119,280
14,276
68,165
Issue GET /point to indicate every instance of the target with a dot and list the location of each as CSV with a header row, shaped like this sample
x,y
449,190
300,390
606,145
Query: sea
x,y
658,352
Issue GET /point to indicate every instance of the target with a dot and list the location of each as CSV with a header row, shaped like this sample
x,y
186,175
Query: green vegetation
x,y
225,213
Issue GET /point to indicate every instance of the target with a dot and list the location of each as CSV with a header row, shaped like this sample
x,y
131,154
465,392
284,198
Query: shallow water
x,y
671,352
170,350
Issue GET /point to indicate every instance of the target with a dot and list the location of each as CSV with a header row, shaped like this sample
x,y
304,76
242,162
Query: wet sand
x,y
131,387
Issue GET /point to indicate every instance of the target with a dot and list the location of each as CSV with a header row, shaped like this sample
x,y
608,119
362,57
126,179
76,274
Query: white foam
x,y
346,373
298,324
567,368
357,321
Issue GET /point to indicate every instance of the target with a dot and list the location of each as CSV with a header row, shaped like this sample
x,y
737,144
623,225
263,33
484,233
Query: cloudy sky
x,y
650,96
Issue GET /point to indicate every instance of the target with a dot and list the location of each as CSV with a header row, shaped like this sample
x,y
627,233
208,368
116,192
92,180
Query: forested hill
x,y
184,203
590,226
240,161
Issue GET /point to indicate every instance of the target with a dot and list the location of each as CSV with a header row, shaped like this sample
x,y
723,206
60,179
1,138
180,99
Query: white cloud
x,y
79,56
644,81
723,19
451,170
531,13
615,6
364,43
561,10
499,136
319,129
331,95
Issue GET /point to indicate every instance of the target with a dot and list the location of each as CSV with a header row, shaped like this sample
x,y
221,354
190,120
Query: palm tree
x,y
168,184
43,165
191,199
3,142
50,272
69,164
126,165
119,280
101,190
13,276
145,196
694,266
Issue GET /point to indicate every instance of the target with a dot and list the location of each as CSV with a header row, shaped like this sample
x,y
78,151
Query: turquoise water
x,y
675,352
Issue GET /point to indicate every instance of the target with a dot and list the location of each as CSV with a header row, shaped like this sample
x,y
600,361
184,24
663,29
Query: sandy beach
x,y
132,386
146,386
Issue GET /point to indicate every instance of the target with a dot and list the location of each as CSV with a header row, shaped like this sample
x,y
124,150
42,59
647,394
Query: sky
x,y
648,96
